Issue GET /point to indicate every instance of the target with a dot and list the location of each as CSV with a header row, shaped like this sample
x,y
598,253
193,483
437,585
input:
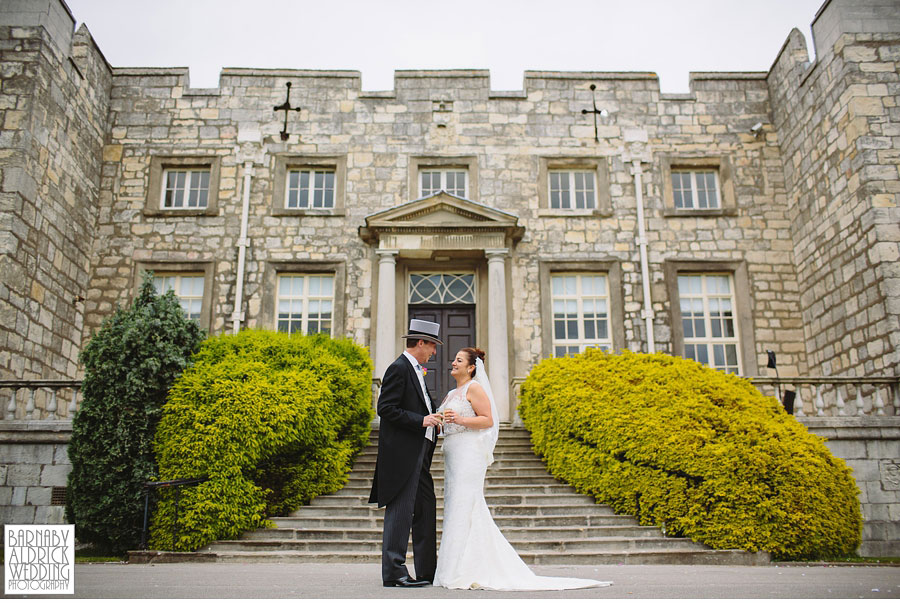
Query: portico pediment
x,y
441,221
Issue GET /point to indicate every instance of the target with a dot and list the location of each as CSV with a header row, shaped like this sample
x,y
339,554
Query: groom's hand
x,y
431,421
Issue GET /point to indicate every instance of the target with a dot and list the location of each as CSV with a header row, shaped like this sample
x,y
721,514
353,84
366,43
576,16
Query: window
x,y
708,320
574,186
695,189
573,189
457,175
308,185
441,288
697,185
305,303
580,304
310,188
188,289
452,180
183,186
186,189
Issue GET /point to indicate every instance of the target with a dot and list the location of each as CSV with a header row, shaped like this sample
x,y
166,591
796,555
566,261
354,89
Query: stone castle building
x,y
757,212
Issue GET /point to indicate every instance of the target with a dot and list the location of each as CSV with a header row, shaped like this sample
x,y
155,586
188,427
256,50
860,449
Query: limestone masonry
x,y
769,202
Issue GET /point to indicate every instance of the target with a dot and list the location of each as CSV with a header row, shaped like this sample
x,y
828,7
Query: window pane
x,y
327,285
731,355
707,308
702,354
690,351
681,190
712,188
431,183
557,285
718,355
303,192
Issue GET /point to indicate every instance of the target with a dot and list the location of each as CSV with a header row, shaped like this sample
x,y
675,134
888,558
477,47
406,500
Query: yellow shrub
x,y
704,454
273,420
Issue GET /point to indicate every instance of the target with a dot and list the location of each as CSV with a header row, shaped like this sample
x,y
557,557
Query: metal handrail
x,y
172,483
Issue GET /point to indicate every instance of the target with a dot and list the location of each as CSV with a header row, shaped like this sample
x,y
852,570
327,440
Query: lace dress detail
x,y
456,401
474,554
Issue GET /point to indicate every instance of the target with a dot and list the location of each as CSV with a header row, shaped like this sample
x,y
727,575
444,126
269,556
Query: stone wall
x,y
54,89
839,128
35,461
871,447
506,137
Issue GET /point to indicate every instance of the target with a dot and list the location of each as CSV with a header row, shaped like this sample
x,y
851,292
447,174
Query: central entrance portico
x,y
443,235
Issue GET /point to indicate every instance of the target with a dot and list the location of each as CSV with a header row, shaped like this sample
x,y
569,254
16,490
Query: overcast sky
x,y
669,37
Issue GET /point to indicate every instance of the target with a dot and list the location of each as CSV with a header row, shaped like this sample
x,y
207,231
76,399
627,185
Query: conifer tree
x,y
130,364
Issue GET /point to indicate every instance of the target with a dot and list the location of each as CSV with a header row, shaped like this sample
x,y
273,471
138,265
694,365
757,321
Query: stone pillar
x,y
386,333
498,342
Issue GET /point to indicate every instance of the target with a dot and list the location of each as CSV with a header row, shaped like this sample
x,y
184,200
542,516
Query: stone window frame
x,y
288,161
724,169
469,163
268,316
581,343
743,305
598,165
156,185
613,270
207,268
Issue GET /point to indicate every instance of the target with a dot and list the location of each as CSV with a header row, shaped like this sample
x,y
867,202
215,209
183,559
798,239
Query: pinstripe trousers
x,y
415,507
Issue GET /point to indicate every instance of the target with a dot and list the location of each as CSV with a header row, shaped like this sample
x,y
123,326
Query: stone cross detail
x,y
596,112
286,107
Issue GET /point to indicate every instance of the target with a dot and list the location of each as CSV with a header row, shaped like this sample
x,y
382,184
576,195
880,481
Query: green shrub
x,y
129,365
272,419
689,448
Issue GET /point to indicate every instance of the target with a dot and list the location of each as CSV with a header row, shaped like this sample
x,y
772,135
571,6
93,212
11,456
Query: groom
x,y
406,442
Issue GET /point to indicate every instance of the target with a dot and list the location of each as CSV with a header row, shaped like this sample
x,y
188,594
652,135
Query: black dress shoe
x,y
407,582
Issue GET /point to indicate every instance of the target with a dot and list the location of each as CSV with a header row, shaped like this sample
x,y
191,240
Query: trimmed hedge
x,y
683,446
129,365
272,419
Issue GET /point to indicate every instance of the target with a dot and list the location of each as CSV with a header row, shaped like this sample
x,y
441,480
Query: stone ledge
x,y
252,71
853,428
591,75
181,71
728,75
35,432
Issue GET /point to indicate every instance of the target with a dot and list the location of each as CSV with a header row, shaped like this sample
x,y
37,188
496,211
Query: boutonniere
x,y
424,371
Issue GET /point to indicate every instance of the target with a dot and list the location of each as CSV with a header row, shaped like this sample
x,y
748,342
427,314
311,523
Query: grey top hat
x,y
423,329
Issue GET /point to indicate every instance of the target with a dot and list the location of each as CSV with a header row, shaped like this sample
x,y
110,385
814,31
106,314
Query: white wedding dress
x,y
474,554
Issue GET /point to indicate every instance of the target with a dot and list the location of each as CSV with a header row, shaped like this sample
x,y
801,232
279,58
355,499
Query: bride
x,y
474,554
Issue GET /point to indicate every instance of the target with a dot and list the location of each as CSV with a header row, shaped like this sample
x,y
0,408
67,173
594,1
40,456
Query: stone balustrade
x,y
41,399
837,396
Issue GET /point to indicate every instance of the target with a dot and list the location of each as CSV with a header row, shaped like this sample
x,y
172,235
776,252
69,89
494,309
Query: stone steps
x,y
546,521
606,544
587,557
351,522
373,533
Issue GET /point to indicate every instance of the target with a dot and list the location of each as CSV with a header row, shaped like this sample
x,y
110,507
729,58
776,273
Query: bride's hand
x,y
449,416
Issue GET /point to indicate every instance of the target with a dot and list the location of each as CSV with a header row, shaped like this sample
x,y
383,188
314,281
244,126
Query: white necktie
x,y
429,432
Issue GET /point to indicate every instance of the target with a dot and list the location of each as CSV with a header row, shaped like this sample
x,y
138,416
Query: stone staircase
x,y
546,521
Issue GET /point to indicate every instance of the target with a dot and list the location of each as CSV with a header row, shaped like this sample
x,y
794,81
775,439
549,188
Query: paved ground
x,y
344,581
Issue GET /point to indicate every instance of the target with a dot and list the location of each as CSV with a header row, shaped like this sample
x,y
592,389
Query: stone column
x,y
498,344
386,333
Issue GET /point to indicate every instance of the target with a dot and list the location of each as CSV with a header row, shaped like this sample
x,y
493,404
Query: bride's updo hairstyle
x,y
471,355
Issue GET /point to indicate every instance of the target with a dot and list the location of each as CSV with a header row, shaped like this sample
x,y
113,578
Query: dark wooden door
x,y
457,332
